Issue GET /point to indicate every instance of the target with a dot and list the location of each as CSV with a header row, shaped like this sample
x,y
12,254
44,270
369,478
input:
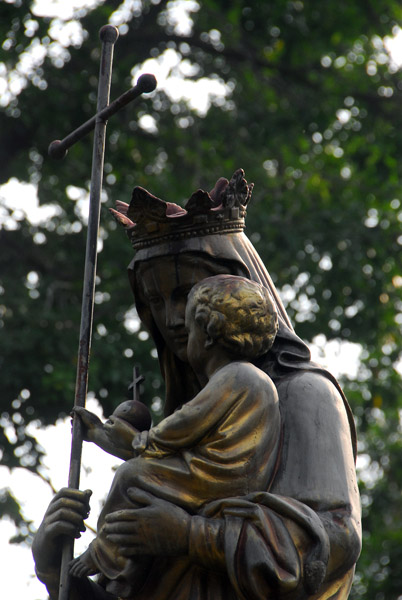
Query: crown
x,y
152,221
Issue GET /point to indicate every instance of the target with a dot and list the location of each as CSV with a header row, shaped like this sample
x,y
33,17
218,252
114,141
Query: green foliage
x,y
312,113
10,507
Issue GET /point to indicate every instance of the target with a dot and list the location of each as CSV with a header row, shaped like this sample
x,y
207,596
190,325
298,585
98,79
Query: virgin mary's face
x,y
165,283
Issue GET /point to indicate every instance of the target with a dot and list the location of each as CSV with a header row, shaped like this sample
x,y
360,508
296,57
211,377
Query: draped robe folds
x,y
223,443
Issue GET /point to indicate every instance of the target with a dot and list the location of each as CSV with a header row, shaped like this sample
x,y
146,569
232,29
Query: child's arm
x,y
184,428
115,436
194,420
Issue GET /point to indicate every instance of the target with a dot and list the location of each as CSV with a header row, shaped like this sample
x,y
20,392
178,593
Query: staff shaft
x,y
108,35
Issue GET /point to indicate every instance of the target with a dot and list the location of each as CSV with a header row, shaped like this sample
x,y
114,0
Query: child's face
x,y
197,337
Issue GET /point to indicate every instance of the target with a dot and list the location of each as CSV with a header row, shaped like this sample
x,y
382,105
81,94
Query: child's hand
x,y
92,424
140,442
119,431
115,436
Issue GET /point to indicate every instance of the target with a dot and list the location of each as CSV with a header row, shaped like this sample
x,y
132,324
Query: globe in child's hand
x,y
135,413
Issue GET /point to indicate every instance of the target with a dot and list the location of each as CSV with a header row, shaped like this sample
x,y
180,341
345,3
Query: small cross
x,y
135,385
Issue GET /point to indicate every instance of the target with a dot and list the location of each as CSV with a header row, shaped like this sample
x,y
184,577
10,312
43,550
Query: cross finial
x,y
135,385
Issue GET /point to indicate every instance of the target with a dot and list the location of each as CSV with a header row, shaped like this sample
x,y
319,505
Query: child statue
x,y
224,442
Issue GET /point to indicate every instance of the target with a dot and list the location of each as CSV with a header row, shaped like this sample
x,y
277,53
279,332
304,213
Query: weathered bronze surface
x,y
247,489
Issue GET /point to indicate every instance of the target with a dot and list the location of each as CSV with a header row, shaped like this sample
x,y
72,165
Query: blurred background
x,y
306,97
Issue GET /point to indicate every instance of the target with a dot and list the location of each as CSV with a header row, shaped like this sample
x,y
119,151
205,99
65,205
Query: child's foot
x,y
82,566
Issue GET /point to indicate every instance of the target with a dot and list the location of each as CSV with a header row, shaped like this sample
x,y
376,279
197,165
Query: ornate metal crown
x,y
223,210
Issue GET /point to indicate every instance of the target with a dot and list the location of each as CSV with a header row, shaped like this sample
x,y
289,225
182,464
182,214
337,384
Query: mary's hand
x,y
157,528
64,517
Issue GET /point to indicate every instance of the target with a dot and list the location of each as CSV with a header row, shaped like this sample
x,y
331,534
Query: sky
x,y
18,579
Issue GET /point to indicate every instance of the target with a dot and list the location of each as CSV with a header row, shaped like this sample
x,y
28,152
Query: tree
x,y
310,110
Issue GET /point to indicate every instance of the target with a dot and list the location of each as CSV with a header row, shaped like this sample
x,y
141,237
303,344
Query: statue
x,y
293,530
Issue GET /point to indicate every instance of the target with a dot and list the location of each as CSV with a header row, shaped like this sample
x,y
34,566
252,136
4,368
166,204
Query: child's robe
x,y
223,443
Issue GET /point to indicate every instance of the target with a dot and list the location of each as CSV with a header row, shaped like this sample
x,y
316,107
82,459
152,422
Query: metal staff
x,y
108,35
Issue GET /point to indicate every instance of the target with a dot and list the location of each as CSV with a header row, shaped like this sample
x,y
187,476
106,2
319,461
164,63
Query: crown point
x,y
221,211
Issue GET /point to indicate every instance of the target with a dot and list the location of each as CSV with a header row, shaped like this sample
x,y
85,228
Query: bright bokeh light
x,y
171,71
394,46
22,200
338,357
62,9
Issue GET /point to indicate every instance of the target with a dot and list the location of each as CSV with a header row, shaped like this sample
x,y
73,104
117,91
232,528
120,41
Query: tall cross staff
x,y
58,149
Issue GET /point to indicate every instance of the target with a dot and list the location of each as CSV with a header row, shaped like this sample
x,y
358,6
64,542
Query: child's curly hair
x,y
237,312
